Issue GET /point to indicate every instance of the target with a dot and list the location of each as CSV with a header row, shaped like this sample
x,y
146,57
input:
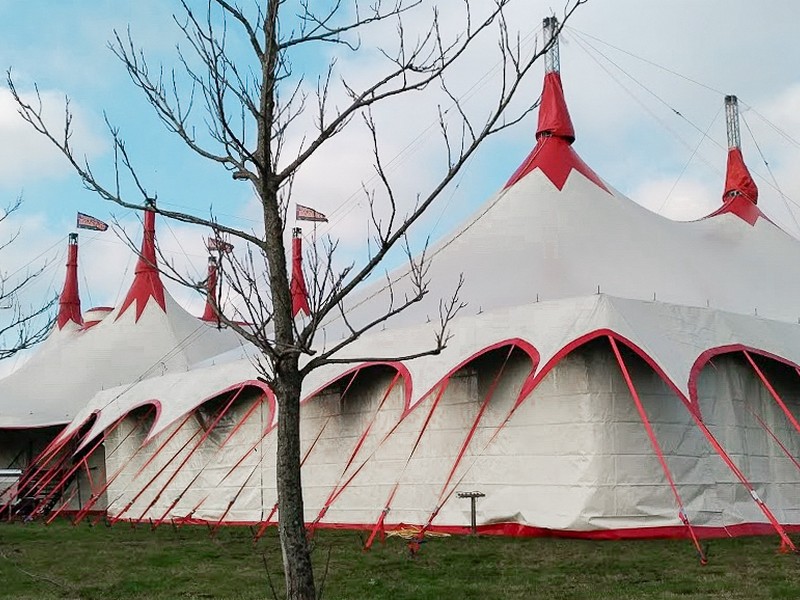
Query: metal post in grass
x,y
473,498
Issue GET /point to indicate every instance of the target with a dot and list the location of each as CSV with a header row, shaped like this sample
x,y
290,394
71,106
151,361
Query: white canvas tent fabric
x,y
131,343
522,404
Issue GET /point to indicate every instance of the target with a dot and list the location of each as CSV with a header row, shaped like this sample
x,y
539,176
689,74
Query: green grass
x,y
61,561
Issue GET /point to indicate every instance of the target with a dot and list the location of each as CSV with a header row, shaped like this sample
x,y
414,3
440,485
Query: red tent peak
x,y
553,153
69,303
211,292
738,181
298,283
554,119
741,194
146,281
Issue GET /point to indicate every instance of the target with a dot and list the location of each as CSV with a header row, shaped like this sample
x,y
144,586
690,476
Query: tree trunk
x,y
291,523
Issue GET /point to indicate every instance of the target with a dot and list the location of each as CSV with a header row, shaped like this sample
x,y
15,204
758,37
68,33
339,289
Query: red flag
x,y
219,245
89,222
306,213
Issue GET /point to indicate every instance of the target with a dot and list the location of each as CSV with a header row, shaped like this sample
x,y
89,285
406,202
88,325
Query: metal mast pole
x,y
552,61
732,122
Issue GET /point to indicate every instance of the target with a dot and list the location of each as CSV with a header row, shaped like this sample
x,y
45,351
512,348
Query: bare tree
x,y
253,109
21,326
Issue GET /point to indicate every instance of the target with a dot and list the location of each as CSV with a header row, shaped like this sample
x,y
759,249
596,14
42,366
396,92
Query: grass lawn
x,y
61,561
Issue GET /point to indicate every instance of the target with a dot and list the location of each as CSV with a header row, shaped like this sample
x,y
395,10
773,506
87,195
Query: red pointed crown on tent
x,y
740,196
69,303
553,153
298,283
146,281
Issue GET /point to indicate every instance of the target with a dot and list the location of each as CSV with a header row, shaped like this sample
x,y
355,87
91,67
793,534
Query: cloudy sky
x,y
644,81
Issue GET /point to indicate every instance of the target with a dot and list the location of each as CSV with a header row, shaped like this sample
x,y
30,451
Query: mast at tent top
x,y
552,60
732,122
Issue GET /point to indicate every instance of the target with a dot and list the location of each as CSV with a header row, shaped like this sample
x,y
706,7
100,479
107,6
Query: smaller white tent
x,y
148,335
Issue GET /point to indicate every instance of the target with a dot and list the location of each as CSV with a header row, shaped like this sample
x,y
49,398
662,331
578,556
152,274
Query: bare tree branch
x,y
255,123
21,327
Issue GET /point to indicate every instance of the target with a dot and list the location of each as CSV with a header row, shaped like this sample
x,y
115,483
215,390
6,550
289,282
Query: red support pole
x,y
785,541
235,466
387,507
444,495
158,450
55,514
233,432
266,522
50,474
772,392
233,500
192,451
337,489
109,480
44,457
75,467
161,446
657,449
154,477
772,434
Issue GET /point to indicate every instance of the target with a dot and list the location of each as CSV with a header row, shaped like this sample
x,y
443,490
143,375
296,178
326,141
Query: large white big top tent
x,y
617,374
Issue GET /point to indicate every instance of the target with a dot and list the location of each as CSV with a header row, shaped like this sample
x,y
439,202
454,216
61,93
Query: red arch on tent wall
x,y
99,411
399,367
588,337
268,394
709,354
519,343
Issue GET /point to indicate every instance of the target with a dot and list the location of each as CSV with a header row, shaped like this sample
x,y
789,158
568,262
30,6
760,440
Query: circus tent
x,y
148,335
615,374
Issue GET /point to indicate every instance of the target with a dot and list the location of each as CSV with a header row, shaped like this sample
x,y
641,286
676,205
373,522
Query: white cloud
x,y
684,200
25,154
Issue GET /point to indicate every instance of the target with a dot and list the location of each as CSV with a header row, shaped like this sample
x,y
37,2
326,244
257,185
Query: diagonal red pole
x,y
233,432
109,480
443,495
772,434
337,489
43,458
772,392
65,478
786,542
267,521
133,500
157,451
186,458
234,499
657,449
66,503
235,466
387,507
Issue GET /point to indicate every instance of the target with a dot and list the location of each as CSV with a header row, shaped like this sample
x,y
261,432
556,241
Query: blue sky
x,y
622,111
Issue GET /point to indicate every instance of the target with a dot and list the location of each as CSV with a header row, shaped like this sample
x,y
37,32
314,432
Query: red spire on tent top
x,y
741,193
553,114
69,303
553,153
554,119
147,281
211,292
298,283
